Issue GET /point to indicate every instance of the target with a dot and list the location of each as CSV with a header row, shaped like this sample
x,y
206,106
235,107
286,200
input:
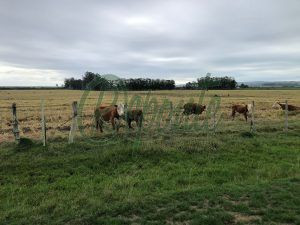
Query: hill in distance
x,y
272,83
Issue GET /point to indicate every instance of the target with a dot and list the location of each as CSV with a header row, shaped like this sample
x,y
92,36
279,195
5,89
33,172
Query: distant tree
x,y
72,83
148,84
102,84
87,78
67,83
191,85
244,86
209,82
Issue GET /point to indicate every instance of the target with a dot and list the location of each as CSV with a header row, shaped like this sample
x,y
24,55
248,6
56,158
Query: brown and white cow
x,y
110,114
193,108
242,109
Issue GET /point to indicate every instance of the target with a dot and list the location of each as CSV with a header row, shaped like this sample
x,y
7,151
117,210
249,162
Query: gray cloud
x,y
42,42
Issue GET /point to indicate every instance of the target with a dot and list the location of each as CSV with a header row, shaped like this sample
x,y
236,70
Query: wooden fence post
x,y
214,116
286,116
252,128
44,129
15,123
74,123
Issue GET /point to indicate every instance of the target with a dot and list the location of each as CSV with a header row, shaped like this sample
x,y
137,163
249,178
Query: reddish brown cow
x,y
242,109
289,107
108,114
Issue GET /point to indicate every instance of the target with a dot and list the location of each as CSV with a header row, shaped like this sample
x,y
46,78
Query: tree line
x,y
102,83
210,82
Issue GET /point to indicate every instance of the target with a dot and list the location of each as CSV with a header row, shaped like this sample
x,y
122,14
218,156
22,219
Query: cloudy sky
x,y
43,42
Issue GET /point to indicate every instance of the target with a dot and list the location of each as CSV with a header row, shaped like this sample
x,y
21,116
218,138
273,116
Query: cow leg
x,y
100,125
245,115
112,120
97,125
117,124
129,123
233,114
139,122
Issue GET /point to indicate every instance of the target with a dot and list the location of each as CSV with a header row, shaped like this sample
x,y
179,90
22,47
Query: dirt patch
x,y
242,218
171,222
243,200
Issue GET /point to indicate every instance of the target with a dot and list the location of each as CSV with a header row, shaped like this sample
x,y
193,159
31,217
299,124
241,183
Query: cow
x,y
289,107
193,108
134,115
242,109
108,114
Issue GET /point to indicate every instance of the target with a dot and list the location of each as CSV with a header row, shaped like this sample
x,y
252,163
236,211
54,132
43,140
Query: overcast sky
x,y
43,42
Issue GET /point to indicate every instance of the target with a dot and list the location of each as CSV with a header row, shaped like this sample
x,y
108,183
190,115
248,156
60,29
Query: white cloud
x,y
139,21
14,76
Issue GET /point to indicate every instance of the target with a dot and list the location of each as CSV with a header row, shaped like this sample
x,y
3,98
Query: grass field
x,y
174,178
162,175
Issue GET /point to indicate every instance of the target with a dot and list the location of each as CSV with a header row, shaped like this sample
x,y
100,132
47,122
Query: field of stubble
x,y
58,108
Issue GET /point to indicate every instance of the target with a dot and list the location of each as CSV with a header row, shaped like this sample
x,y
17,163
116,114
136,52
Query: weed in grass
x,y
24,144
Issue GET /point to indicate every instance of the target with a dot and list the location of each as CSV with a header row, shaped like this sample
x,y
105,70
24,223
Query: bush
x,y
24,144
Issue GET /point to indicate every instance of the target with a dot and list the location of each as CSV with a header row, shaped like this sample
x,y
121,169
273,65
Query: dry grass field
x,y
58,108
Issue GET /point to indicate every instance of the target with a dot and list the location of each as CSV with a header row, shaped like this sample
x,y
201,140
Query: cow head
x,y
121,109
249,108
275,105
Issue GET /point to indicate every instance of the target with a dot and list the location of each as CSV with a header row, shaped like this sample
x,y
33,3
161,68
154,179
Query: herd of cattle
x,y
114,113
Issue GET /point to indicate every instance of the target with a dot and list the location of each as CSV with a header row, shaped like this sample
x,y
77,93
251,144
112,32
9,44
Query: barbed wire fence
x,y
41,122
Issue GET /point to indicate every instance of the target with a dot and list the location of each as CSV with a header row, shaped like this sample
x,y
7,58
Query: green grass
x,y
170,178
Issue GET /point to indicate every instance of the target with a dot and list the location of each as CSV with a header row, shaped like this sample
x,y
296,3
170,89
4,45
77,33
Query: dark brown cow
x,y
242,109
108,114
193,108
134,115
289,108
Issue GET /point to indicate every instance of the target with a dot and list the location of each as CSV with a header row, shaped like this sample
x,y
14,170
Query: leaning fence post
x,y
286,116
15,123
44,129
74,123
252,128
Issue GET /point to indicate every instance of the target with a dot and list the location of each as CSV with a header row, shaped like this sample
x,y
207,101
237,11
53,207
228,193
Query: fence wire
x,y
59,117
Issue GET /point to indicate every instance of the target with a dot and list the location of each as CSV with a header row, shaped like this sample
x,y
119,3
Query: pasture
x,y
172,176
58,108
